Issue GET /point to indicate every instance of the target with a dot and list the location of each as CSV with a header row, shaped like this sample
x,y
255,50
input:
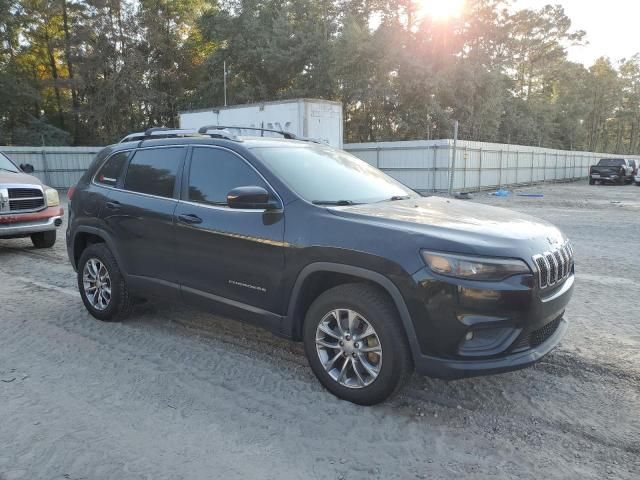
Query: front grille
x,y
21,200
537,337
554,266
24,193
28,204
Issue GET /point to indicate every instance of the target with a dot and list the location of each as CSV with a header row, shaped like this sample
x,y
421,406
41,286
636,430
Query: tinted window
x,y
324,174
214,173
111,171
153,171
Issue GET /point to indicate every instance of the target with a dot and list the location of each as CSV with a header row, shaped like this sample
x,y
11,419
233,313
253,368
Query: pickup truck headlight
x,y
474,268
53,199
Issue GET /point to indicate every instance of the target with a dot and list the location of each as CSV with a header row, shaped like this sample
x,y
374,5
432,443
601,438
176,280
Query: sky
x,y
612,26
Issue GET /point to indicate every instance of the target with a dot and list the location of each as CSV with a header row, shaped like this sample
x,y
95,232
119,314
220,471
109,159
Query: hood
x,y
18,178
462,226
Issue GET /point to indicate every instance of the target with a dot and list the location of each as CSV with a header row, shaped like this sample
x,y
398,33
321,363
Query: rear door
x,y
227,256
139,213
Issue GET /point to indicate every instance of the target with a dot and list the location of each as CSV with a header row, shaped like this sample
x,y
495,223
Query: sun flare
x,y
440,9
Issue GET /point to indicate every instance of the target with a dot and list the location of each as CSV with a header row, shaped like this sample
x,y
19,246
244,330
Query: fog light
x,y
469,336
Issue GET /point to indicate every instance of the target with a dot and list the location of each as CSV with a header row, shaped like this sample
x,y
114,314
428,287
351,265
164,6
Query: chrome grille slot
x,y
560,263
554,266
24,193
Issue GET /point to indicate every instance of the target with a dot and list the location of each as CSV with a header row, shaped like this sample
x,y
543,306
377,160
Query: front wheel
x,y
44,239
356,345
592,181
101,284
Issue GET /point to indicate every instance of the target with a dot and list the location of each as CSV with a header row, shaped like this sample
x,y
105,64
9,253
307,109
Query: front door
x,y
232,258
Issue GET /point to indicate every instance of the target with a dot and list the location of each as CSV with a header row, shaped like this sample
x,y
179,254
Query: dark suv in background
x,y
318,246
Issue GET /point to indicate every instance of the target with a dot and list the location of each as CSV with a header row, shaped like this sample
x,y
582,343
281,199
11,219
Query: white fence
x,y
425,165
58,167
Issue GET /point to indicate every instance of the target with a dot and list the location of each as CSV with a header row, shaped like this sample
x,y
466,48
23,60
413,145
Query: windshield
x,y
6,164
611,162
322,174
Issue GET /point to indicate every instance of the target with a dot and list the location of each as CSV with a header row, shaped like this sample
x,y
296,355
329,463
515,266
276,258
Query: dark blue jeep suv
x,y
318,246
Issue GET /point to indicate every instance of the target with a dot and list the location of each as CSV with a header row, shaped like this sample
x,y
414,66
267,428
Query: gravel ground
x,y
176,393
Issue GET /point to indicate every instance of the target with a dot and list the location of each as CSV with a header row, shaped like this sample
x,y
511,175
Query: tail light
x,y
70,192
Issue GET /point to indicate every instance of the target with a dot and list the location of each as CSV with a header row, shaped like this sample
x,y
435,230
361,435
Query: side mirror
x,y
26,167
256,198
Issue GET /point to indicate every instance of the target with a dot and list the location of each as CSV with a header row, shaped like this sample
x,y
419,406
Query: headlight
x,y
474,268
53,199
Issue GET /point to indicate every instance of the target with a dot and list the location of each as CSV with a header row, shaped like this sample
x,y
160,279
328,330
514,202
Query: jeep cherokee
x,y
318,246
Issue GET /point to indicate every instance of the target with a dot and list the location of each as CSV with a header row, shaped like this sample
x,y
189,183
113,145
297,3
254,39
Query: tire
x,y
119,302
44,239
371,306
638,184
592,181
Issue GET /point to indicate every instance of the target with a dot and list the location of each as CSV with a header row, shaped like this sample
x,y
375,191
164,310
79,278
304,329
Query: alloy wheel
x,y
349,348
97,284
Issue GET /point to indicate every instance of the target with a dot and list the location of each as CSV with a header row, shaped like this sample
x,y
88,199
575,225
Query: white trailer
x,y
304,117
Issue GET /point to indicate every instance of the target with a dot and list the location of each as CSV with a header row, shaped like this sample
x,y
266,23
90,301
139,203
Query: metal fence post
x,y
532,160
45,168
500,170
378,157
544,170
453,158
434,170
517,165
480,171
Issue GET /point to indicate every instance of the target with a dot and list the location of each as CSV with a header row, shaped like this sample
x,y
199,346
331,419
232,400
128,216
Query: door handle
x,y
189,218
112,205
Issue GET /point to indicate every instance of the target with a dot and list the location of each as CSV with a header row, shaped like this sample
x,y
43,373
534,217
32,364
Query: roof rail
x,y
205,130
169,132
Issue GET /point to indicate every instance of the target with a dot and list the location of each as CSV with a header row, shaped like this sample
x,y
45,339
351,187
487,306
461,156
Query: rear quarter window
x,y
111,171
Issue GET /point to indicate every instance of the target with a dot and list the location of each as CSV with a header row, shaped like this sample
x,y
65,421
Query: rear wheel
x,y
592,181
101,284
356,345
44,239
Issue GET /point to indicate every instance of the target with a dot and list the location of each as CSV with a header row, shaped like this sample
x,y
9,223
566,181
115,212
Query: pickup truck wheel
x,y
356,345
592,181
44,239
101,284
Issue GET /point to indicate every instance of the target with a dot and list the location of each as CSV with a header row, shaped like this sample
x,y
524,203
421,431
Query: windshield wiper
x,y
339,203
7,170
396,197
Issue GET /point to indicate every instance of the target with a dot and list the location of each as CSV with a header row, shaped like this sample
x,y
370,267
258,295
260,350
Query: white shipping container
x,y
304,117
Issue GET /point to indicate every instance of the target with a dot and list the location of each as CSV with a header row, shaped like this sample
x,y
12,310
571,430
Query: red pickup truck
x,y
28,208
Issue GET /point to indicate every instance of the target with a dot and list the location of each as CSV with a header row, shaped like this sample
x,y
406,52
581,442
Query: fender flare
x,y
98,232
363,273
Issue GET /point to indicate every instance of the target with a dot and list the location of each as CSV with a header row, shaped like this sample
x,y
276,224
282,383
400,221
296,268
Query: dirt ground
x,y
180,394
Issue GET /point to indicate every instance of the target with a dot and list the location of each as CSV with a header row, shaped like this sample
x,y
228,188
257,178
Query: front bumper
x,y
512,324
455,369
613,177
25,224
